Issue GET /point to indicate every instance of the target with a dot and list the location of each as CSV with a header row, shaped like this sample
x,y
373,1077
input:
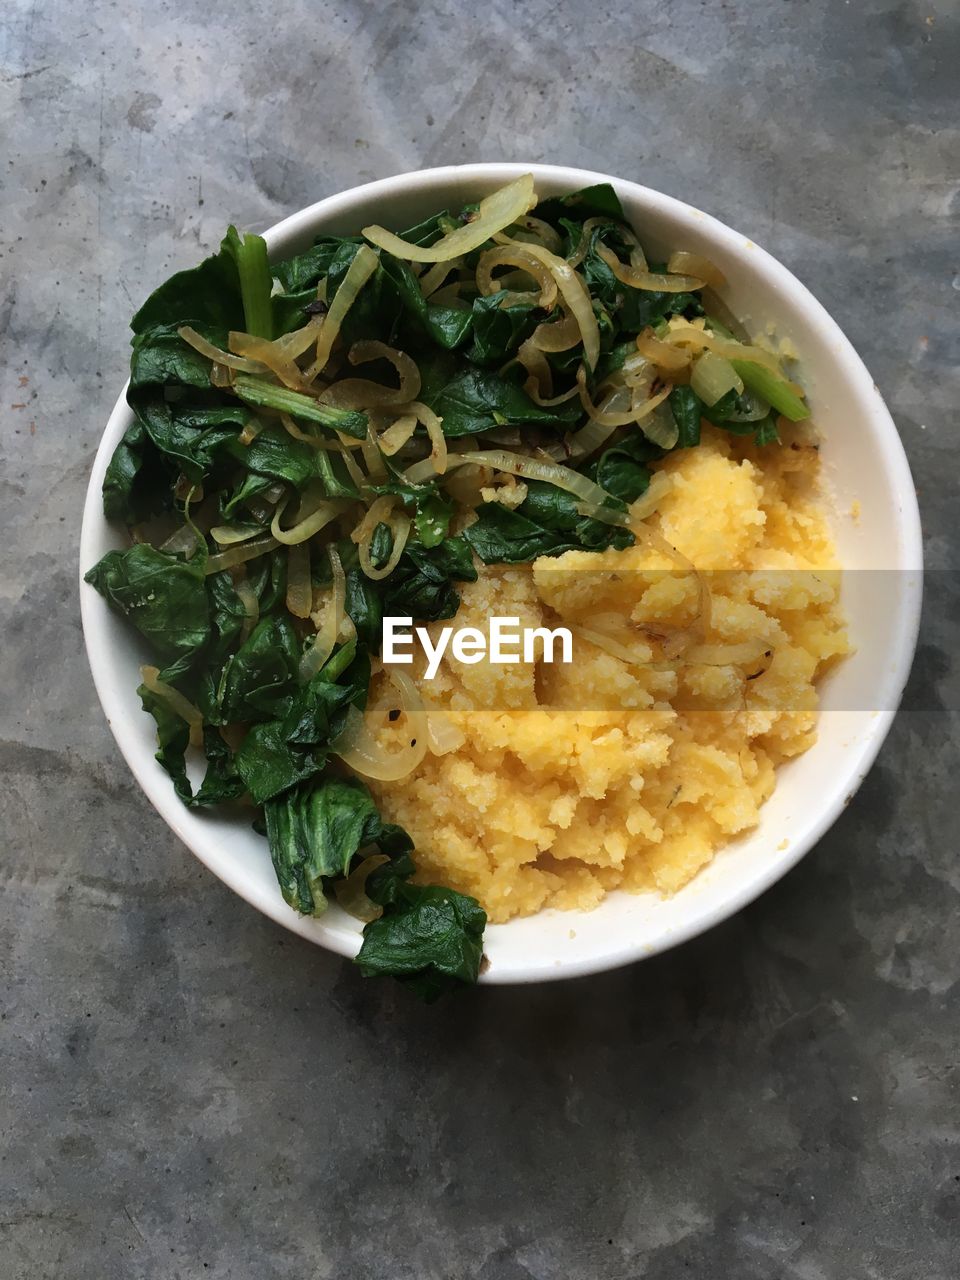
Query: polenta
x,y
602,775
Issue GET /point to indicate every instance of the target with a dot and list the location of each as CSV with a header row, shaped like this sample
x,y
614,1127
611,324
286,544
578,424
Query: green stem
x,y
338,662
764,382
773,389
266,395
256,282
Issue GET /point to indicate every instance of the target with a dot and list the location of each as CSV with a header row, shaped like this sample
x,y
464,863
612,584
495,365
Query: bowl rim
x,y
96,618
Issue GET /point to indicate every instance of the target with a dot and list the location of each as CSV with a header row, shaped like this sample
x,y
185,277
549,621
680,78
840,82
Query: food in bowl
x,y
504,411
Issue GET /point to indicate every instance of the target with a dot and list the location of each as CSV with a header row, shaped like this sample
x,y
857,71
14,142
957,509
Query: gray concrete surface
x,y
186,1090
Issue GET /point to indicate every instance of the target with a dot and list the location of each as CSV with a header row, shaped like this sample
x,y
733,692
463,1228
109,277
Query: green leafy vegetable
x,y
474,400
547,523
433,511
173,738
624,469
314,833
429,937
687,409
259,680
422,585
164,597
498,330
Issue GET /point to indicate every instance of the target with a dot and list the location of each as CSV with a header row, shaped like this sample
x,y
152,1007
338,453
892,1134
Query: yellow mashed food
x,y
577,779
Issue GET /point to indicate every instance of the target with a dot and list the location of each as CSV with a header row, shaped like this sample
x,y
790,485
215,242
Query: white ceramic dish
x,y
864,462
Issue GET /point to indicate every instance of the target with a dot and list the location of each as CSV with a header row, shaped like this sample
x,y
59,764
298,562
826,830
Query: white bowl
x,y
864,462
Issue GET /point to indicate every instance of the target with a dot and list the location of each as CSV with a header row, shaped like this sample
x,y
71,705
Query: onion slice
x,y
516,464
174,699
270,356
690,336
726,655
299,586
654,281
362,267
503,256
541,231
434,425
239,554
711,377
431,280
609,644
575,295
351,890
694,264
326,637
358,748
443,736
497,211
227,535
668,358
382,511
312,517
251,606
557,335
200,343
397,435
361,393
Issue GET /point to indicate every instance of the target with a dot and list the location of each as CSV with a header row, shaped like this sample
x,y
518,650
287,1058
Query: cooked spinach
x,y
475,400
221,450
546,523
163,596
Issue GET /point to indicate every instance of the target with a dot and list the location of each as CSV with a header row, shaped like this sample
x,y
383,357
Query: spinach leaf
x,y
686,407
429,937
498,331
207,294
178,411
447,326
248,488
433,510
259,680
275,455
173,738
221,782
598,201
622,469
421,586
137,483
630,309
307,269
763,430
474,400
291,310
270,765
163,597
362,602
547,523
314,832
278,754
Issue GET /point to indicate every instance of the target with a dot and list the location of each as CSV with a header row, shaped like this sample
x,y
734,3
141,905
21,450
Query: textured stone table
x,y
189,1091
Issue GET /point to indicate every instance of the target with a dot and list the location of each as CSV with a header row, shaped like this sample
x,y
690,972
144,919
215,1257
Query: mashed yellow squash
x,y
577,779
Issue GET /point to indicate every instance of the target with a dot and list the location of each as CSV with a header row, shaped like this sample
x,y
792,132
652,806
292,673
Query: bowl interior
x,y
880,550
